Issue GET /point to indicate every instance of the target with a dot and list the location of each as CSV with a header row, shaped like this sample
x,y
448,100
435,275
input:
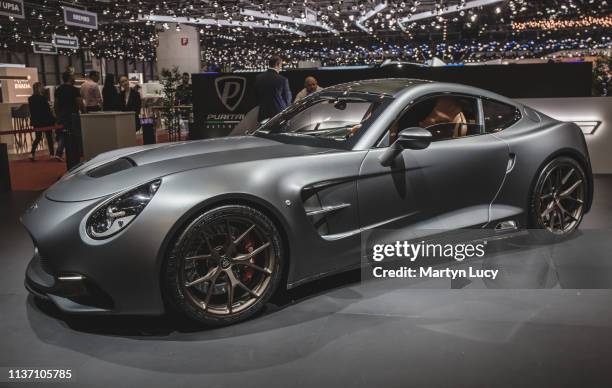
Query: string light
x,y
456,35
248,57
605,22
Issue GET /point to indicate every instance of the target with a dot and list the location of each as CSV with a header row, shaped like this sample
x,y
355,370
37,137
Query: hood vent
x,y
111,167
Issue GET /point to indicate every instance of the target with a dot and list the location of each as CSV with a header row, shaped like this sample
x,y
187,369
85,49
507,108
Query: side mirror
x,y
411,138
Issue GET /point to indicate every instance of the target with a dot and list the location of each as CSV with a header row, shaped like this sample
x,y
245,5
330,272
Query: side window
x,y
498,116
446,117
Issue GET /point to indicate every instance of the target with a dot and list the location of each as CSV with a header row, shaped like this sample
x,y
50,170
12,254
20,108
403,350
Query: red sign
x,y
184,41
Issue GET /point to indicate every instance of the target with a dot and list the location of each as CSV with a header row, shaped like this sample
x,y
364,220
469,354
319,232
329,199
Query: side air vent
x,y
328,206
326,209
111,168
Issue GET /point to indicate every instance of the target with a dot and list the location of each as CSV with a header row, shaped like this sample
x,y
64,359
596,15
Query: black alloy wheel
x,y
224,266
558,199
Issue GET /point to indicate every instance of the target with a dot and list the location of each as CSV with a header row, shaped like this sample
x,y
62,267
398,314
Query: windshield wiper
x,y
327,131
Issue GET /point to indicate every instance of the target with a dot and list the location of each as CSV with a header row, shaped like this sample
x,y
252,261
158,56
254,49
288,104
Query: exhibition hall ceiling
x,y
363,31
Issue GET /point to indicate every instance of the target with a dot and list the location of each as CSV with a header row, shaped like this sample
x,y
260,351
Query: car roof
x,y
388,86
394,87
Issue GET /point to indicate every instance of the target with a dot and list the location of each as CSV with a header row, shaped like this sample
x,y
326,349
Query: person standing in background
x,y
129,99
40,116
310,86
272,90
90,92
68,102
184,96
184,92
110,95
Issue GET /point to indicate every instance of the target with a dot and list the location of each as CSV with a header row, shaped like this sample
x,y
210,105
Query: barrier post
x,y
148,131
73,142
5,172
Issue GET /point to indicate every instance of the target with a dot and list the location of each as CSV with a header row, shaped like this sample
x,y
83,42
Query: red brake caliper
x,y
247,272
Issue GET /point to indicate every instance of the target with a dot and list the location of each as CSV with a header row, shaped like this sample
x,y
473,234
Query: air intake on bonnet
x,y
111,167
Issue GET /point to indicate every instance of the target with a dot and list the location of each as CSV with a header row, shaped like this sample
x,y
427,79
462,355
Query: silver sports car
x,y
213,228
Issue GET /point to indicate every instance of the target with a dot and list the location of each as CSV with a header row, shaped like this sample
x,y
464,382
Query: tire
x,y
224,266
557,201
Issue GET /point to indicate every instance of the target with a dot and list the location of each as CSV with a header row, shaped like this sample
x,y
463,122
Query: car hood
x,y
147,163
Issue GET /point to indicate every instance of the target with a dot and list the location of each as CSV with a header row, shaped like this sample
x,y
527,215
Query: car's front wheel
x,y
558,199
224,266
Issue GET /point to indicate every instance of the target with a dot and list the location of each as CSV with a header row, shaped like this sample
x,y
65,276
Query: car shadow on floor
x,y
144,326
524,263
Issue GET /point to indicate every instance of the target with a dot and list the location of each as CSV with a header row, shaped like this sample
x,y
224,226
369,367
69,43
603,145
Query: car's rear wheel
x,y
224,266
558,198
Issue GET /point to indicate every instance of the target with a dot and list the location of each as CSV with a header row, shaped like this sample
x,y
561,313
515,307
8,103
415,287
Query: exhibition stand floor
x,y
335,332
33,176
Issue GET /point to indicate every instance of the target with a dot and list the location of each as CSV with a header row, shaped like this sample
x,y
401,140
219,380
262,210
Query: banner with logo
x,y
80,18
44,48
16,83
221,101
12,8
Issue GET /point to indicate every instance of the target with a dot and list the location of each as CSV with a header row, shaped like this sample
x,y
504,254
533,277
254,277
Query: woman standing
x,y
110,95
40,116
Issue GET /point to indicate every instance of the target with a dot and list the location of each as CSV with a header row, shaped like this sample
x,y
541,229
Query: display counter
x,y
107,131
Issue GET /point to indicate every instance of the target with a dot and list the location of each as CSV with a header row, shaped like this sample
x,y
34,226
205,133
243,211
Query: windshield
x,y
330,118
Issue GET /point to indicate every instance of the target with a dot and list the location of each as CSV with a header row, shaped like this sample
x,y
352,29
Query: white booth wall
x,y
581,110
179,48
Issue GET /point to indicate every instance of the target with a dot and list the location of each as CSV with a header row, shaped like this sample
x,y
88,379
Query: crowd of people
x,y
272,89
70,100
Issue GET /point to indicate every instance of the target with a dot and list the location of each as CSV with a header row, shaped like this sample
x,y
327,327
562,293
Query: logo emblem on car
x,y
225,263
230,90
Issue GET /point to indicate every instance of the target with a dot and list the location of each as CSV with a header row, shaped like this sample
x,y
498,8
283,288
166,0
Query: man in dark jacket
x,y
272,90
40,117
68,102
129,99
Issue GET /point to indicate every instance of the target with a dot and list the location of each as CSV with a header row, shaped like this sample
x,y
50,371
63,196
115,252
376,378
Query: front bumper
x,y
125,267
71,293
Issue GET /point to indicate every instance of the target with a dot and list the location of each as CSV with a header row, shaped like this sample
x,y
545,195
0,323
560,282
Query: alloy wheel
x,y
560,200
227,265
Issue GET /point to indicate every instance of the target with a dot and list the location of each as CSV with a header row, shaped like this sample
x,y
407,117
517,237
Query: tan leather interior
x,y
461,129
446,110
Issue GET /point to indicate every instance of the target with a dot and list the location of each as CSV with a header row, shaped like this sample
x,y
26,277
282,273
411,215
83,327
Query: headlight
x,y
115,215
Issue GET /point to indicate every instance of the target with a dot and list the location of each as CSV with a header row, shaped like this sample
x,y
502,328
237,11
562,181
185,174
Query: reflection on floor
x,y
27,175
337,331
33,176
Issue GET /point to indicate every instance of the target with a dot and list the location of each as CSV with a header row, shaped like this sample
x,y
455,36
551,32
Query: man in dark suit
x,y
129,99
272,90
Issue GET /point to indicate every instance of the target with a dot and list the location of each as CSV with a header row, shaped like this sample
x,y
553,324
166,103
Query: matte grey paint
x,y
452,184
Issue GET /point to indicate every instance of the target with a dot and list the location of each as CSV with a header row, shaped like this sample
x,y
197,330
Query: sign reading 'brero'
x,y
12,8
80,18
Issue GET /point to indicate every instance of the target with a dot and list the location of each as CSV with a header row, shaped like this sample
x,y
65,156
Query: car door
x,y
448,185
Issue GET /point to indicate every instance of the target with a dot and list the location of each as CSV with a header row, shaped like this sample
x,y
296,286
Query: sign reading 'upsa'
x,y
80,18
12,8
